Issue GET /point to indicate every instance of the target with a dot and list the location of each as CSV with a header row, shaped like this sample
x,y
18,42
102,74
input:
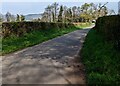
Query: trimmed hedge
x,y
109,27
20,28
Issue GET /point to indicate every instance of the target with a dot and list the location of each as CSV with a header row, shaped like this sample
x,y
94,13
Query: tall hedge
x,y
19,28
109,27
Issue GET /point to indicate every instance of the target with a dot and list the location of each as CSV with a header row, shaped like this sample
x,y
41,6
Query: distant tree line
x,y
9,17
86,13
59,13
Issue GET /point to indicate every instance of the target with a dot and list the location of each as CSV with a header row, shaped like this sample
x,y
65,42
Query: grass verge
x,y
13,43
83,25
101,60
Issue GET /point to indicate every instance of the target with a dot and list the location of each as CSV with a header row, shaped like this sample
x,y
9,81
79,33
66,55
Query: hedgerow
x,y
20,28
109,27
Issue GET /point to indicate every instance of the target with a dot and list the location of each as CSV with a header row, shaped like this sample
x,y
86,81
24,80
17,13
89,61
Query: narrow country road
x,y
51,62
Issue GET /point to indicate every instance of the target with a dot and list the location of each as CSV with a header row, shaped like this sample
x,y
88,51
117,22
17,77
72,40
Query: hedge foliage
x,y
109,27
20,28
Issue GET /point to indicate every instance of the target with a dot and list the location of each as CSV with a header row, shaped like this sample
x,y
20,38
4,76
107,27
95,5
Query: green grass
x,y
13,43
84,25
101,60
